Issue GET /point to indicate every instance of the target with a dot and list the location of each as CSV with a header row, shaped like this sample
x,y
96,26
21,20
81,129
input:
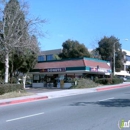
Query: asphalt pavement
x,y
102,110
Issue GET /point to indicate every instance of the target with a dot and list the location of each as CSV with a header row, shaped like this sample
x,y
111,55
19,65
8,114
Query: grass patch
x,y
15,94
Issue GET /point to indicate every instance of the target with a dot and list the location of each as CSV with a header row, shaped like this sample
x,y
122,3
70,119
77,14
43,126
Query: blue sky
x,y
86,21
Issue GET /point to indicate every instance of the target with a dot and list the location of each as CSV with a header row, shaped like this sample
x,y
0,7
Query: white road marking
x,y
106,99
24,117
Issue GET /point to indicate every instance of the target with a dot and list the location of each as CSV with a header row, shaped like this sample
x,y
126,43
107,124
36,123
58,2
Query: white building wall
x,y
127,63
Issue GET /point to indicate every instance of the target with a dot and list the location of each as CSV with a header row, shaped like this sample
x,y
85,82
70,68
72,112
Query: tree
x,y
95,54
56,57
22,61
106,50
17,30
73,49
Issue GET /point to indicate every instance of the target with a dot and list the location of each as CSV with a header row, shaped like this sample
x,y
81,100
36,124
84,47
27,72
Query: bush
x,y
117,80
28,83
104,81
1,81
107,81
85,83
5,88
13,80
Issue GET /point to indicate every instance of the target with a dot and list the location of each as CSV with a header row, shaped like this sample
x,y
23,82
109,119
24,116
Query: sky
x,y
86,21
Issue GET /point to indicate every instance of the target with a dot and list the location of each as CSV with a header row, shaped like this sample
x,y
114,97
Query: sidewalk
x,y
60,93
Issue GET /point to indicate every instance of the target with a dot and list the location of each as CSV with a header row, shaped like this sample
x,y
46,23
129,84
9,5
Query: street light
x,y
114,56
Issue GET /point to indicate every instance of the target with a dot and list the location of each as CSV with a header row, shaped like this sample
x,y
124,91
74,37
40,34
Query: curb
x,y
113,87
23,100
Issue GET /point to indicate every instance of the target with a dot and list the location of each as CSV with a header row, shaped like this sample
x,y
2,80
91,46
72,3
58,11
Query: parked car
x,y
124,78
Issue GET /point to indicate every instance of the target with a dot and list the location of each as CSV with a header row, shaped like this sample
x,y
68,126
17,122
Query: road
x,y
91,111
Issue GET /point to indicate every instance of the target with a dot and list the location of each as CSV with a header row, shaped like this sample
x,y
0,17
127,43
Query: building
x,y
60,73
48,55
127,58
124,72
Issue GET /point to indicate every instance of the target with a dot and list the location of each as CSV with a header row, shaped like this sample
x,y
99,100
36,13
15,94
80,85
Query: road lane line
x,y
25,117
106,99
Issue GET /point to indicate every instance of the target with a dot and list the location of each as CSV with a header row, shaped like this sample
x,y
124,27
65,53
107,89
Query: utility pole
x,y
114,58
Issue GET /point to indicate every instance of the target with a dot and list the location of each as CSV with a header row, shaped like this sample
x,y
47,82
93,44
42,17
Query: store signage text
x,y
98,70
93,69
53,70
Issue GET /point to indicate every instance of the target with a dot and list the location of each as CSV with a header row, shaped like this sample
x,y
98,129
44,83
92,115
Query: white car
x,y
124,78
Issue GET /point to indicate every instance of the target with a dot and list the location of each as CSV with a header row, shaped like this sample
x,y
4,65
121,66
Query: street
x,y
91,111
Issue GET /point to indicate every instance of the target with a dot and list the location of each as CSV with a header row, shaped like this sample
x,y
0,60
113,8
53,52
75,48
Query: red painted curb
x,y
22,100
113,87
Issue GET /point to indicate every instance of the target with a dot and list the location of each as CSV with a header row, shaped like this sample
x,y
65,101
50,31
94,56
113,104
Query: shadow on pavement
x,y
109,103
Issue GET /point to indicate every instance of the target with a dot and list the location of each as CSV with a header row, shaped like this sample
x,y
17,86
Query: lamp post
x,y
114,58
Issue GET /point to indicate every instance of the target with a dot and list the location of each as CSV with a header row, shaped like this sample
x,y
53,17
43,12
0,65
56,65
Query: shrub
x,y
104,81
117,80
107,81
85,83
28,83
13,80
5,88
1,81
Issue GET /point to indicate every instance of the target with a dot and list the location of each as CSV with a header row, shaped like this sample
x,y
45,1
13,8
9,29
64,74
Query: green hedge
x,y
5,88
107,81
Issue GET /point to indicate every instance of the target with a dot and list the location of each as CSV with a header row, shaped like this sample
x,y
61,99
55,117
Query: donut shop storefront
x,y
60,73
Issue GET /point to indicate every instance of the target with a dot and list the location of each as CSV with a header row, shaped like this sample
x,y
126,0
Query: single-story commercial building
x,y
60,73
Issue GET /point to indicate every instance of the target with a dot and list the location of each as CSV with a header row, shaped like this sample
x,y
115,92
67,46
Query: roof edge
x,y
69,59
66,59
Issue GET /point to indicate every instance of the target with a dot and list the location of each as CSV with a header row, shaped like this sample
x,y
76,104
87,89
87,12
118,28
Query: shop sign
x,y
98,70
54,70
93,69
102,70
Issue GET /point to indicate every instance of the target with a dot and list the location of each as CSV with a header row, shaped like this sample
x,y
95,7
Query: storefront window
x,y
69,78
38,78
